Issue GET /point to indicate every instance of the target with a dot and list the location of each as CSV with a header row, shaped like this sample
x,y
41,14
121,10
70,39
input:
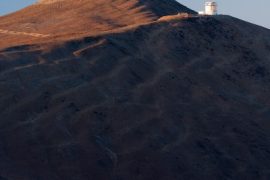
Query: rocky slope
x,y
70,17
177,99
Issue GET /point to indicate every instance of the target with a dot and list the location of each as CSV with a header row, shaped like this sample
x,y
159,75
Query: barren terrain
x,y
176,98
71,18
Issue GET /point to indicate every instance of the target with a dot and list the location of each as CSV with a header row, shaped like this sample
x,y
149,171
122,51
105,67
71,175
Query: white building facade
x,y
210,8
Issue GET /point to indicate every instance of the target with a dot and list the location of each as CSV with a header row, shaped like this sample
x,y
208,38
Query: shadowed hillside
x,y
181,98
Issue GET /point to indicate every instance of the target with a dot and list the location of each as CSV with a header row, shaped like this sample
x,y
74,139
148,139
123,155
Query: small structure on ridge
x,y
210,9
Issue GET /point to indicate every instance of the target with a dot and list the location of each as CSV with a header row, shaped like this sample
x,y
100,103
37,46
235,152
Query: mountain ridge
x,y
84,16
176,98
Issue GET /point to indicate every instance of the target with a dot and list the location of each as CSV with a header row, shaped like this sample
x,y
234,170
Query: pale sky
x,y
253,11
256,11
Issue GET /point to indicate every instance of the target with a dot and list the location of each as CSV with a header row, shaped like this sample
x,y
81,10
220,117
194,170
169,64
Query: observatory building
x,y
210,8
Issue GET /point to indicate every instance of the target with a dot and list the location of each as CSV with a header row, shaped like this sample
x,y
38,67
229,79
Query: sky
x,y
256,11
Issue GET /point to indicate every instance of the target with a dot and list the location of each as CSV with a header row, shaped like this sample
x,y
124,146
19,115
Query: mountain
x,y
173,98
54,18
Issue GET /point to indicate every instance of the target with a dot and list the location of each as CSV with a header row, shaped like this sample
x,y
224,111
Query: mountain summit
x,y
48,1
108,90
64,17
